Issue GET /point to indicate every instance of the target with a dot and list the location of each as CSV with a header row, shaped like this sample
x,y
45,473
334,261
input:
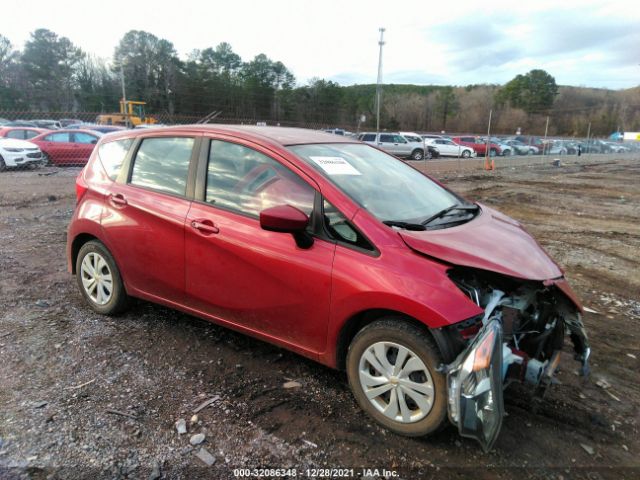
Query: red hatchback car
x,y
21,133
333,249
67,147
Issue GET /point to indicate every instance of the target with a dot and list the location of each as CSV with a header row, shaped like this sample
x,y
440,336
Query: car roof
x,y
279,135
18,127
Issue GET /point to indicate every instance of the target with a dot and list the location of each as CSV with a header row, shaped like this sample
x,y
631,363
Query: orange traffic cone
x,y
486,163
493,164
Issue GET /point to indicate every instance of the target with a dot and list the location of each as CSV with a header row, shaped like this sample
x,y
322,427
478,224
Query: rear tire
x,y
465,154
392,370
417,154
99,279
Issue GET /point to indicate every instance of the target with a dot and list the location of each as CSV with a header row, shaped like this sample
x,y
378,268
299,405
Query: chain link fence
x,y
33,140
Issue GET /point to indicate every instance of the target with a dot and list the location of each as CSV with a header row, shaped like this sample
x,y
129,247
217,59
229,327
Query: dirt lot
x,y
67,375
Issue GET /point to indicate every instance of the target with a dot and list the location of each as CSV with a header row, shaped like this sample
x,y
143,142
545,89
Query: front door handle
x,y
206,227
118,199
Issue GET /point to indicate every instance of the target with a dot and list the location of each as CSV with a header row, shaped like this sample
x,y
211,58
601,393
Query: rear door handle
x,y
118,199
206,227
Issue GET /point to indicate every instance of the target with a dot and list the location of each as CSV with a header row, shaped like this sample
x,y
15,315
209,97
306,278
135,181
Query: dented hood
x,y
491,241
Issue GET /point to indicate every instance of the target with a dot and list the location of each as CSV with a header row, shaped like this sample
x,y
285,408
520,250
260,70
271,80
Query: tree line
x,y
51,74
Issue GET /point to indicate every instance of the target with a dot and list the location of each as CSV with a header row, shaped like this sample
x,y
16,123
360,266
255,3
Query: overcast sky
x,y
579,42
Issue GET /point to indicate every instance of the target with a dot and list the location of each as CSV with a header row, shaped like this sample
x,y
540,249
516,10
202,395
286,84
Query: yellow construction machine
x,y
131,114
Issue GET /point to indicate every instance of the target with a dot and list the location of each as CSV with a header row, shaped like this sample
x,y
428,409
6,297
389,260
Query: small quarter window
x,y
112,156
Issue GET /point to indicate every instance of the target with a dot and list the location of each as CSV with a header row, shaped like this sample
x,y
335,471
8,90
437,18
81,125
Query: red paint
x,y
493,242
222,266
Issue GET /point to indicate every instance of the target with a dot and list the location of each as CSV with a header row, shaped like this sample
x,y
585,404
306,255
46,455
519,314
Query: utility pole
x,y
588,136
124,96
379,83
546,130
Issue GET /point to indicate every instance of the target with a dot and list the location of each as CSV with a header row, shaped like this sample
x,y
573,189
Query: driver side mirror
x,y
287,219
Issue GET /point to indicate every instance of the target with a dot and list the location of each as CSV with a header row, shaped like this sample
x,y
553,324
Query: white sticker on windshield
x,y
335,165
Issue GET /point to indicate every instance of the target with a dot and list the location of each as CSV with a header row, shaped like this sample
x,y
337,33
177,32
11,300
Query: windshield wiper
x,y
405,225
442,213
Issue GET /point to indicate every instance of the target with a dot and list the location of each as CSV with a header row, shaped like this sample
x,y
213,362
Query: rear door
x,y
59,148
83,144
245,276
144,216
389,143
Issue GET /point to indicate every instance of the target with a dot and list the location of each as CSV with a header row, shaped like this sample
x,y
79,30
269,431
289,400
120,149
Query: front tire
x,y
99,279
392,371
3,166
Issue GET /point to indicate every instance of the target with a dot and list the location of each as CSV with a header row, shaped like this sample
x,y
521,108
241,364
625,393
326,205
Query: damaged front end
x,y
518,338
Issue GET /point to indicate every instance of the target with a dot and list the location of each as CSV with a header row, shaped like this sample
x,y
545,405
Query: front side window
x,y
62,137
387,188
163,164
81,137
246,181
369,137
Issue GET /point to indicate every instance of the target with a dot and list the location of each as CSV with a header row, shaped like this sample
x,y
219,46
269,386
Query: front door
x,y
242,275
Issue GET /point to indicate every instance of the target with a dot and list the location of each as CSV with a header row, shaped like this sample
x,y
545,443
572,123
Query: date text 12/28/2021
x,y
315,472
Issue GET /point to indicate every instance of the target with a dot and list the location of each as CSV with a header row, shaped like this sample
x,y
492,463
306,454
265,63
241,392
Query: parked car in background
x,y
478,145
334,250
96,128
3,121
48,124
67,147
18,153
555,147
431,151
520,148
449,148
335,131
21,133
393,143
65,122
21,123
531,141
505,149
616,147
599,146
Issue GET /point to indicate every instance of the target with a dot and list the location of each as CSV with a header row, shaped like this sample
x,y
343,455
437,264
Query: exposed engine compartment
x,y
535,319
519,337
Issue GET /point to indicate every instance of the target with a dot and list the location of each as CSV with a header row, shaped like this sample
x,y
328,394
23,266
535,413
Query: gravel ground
x,y
88,396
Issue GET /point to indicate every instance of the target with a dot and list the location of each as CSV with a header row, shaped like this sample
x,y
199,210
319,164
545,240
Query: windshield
x,y
385,186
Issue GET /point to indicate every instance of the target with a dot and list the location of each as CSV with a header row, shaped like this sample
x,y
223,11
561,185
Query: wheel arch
x,y
357,322
77,244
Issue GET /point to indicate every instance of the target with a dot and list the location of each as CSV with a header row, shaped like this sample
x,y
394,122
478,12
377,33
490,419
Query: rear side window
x,y
386,138
58,137
112,156
16,134
163,164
